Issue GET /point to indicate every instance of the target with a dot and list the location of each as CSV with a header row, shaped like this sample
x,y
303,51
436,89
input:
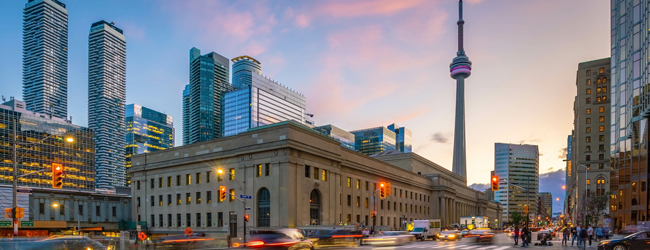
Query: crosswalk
x,y
449,246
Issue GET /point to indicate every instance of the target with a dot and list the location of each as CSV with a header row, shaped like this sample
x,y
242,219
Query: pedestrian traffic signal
x,y
495,183
372,214
245,217
382,190
525,209
20,212
222,193
57,175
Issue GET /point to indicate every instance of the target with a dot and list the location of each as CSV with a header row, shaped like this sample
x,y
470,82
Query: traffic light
x,y
20,213
372,214
222,193
245,217
382,190
57,175
525,209
495,183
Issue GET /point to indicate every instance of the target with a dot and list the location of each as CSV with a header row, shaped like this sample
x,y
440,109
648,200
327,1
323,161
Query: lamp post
x,y
15,167
78,216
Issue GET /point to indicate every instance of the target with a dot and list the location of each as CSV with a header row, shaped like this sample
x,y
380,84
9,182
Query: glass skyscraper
x,y
374,140
346,138
41,142
186,115
517,166
106,100
209,75
258,100
147,130
630,110
404,142
45,57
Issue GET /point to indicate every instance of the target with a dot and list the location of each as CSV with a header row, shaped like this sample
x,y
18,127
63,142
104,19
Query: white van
x,y
425,229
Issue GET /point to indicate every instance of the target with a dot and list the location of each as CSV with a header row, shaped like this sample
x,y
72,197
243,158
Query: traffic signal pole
x,y
15,189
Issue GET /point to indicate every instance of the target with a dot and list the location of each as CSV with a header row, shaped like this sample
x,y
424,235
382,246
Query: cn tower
x,y
460,68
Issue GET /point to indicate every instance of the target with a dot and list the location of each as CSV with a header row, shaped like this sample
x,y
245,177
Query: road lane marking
x,y
483,248
501,248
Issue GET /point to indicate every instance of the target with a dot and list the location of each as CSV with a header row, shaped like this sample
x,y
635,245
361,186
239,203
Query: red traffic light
x,y
246,217
495,183
57,176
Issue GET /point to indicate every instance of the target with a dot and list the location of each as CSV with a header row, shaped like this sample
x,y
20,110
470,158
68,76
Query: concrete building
x,y
42,140
45,57
346,138
630,110
517,166
257,100
147,131
297,178
106,100
591,138
547,200
403,138
209,75
374,140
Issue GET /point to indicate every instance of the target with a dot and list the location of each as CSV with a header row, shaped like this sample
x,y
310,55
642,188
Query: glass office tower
x,y
346,138
42,141
404,142
186,115
106,100
45,57
209,75
630,109
374,140
147,130
517,166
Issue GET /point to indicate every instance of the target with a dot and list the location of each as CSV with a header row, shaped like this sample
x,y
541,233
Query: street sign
x,y
138,228
27,223
142,236
9,214
5,223
24,190
247,208
188,231
243,196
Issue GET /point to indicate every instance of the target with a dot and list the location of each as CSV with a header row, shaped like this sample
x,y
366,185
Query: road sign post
x,y
188,231
142,236
243,196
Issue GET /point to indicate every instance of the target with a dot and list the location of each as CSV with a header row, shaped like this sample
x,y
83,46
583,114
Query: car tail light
x,y
255,243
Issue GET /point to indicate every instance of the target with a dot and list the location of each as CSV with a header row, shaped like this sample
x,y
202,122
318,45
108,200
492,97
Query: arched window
x,y
600,185
634,202
264,208
598,81
604,80
314,207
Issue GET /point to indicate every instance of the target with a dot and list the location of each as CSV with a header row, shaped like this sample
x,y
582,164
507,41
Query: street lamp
x,y
15,165
78,216
243,201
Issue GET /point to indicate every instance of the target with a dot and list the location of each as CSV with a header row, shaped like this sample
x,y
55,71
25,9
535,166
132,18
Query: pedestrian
x,y
516,235
590,234
524,236
583,237
579,230
229,240
565,236
574,234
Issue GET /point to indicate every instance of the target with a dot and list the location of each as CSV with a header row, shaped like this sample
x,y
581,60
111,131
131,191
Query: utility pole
x,y
15,189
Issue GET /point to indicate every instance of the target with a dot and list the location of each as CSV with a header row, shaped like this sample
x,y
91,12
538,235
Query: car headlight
x,y
605,242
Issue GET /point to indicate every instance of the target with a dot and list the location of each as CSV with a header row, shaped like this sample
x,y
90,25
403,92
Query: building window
x,y
601,128
601,119
601,110
588,148
232,174
267,169
207,176
188,219
160,200
232,195
169,200
601,147
589,91
604,89
588,111
198,178
153,202
588,100
587,157
388,205
349,200
366,202
209,217
153,220
178,199
264,208
349,182
220,219
178,220
188,180
588,73
178,180
316,172
358,184
81,209
169,220
152,184
160,182
588,120
588,182
601,157
198,219
358,201
588,139
160,220
138,185
597,90
98,211
188,198
198,197
307,175
258,170
598,98
601,70
348,218
41,208
601,138
588,130
208,196
138,201
169,181
324,175
367,186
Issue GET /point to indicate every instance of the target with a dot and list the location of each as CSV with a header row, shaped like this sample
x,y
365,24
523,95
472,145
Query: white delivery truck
x,y
475,221
425,229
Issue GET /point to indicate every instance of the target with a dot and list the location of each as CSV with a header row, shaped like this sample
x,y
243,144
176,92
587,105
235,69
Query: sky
x,y
359,63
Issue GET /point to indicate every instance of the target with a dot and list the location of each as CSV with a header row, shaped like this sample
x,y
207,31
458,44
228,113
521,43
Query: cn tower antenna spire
x,y
460,68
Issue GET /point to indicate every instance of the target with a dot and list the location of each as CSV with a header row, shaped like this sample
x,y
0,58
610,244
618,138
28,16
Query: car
x,y
638,240
513,233
286,238
464,232
390,238
65,242
481,235
449,235
544,234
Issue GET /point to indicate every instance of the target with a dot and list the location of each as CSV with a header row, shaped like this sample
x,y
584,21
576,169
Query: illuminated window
x,y
598,81
588,182
232,174
349,182
198,197
588,120
358,184
160,182
324,175
316,173
198,178
601,70
588,91
588,81
588,148
258,170
601,128
604,89
597,90
588,111
604,98
232,195
601,109
598,99
601,119
601,138
178,199
604,80
588,130
358,201
188,179
188,198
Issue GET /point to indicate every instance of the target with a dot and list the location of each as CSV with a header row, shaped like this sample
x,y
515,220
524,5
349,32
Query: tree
x,y
516,217
596,207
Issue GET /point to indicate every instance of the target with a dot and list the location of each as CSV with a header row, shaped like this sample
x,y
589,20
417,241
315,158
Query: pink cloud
x,y
302,21
367,7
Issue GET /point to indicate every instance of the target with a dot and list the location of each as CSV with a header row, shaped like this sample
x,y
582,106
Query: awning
x,y
93,229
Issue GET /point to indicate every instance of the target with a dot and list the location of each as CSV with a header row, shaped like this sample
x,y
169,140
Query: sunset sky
x,y
359,63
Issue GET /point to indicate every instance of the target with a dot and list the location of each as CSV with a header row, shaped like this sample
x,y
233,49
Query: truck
x,y
476,221
425,229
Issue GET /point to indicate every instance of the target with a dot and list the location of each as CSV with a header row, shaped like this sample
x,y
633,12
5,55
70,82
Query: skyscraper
x,y
374,140
209,75
45,57
404,138
460,69
547,199
186,115
258,100
346,138
591,137
106,100
517,166
147,131
630,110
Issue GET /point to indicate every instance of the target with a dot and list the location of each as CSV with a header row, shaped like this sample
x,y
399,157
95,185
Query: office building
x,y
45,57
346,138
517,166
298,179
374,140
209,75
42,140
630,110
570,181
547,200
186,115
404,138
591,138
258,100
147,131
460,69
106,100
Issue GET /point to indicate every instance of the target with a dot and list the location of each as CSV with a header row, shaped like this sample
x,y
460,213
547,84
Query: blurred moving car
x,y
481,235
64,242
464,232
390,238
183,242
639,240
286,238
449,235
544,234
334,237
